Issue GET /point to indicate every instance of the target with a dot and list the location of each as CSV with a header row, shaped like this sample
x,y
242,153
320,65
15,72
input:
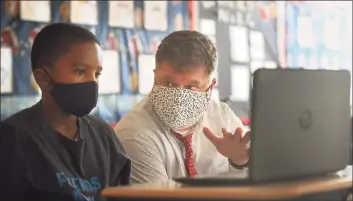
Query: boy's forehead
x,y
84,51
89,54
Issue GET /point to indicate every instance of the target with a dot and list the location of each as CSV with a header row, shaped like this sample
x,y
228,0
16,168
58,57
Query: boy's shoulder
x,y
23,118
97,123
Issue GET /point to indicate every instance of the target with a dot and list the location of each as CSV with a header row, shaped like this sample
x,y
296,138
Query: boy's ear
x,y
42,79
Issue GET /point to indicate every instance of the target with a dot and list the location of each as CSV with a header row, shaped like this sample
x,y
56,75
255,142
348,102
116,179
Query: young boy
x,y
54,150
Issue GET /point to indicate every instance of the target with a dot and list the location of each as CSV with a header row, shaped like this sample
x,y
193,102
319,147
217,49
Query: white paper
x,y
121,14
302,61
224,15
178,22
312,63
240,83
257,45
305,32
254,65
208,27
84,12
156,15
6,70
325,62
270,65
208,4
331,33
226,4
239,48
335,63
109,81
146,64
38,11
240,5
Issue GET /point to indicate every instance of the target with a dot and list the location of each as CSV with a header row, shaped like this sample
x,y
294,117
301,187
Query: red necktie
x,y
189,155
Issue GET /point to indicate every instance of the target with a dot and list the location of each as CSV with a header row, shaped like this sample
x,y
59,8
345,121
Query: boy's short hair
x,y
56,39
184,49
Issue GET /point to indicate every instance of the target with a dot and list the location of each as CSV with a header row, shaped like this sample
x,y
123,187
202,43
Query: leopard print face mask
x,y
178,108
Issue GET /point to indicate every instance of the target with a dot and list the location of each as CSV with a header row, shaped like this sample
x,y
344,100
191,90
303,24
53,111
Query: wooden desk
x,y
291,190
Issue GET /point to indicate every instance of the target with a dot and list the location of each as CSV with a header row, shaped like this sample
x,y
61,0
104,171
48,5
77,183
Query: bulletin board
x,y
247,34
129,31
317,36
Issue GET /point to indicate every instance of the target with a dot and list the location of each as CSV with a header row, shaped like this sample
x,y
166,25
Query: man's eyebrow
x,y
168,78
195,82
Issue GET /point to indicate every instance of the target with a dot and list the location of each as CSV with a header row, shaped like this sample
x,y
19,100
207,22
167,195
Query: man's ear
x,y
213,83
42,79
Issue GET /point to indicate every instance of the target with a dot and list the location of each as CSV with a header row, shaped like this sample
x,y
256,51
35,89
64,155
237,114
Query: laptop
x,y
300,127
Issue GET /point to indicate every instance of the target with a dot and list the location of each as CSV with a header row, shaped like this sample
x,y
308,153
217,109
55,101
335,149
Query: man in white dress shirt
x,y
178,129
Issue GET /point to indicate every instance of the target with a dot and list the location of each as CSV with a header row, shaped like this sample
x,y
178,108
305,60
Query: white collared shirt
x,y
156,154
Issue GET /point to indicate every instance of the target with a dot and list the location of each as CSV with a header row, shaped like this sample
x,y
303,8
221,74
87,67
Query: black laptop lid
x,y
300,122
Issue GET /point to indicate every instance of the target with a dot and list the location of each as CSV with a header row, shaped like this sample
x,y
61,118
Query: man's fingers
x,y
246,138
238,134
225,132
210,135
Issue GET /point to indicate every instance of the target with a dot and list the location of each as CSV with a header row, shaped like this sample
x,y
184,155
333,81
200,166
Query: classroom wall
x,y
245,33
127,45
273,37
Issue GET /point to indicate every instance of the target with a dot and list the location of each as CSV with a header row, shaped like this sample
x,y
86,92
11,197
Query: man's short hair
x,y
183,49
56,39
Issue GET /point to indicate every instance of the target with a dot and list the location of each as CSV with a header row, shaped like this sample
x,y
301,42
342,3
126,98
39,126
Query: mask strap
x,y
210,89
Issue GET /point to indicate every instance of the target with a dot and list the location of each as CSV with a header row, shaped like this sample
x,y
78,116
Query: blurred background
x,y
248,35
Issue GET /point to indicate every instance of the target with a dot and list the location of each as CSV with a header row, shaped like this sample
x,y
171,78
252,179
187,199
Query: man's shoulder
x,y
218,107
222,113
140,121
141,116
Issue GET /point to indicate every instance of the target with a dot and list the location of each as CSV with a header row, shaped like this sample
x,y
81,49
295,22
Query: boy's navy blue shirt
x,y
38,163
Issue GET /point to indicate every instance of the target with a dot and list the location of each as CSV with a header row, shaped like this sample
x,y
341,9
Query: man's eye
x,y
168,84
80,72
190,87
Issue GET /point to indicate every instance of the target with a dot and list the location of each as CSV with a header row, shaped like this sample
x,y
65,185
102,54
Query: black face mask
x,y
75,98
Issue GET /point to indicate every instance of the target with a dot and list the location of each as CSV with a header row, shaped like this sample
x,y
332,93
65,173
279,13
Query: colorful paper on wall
x,y
208,27
109,81
257,46
305,32
240,83
146,64
121,14
239,47
156,15
37,11
6,70
331,32
255,65
84,12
